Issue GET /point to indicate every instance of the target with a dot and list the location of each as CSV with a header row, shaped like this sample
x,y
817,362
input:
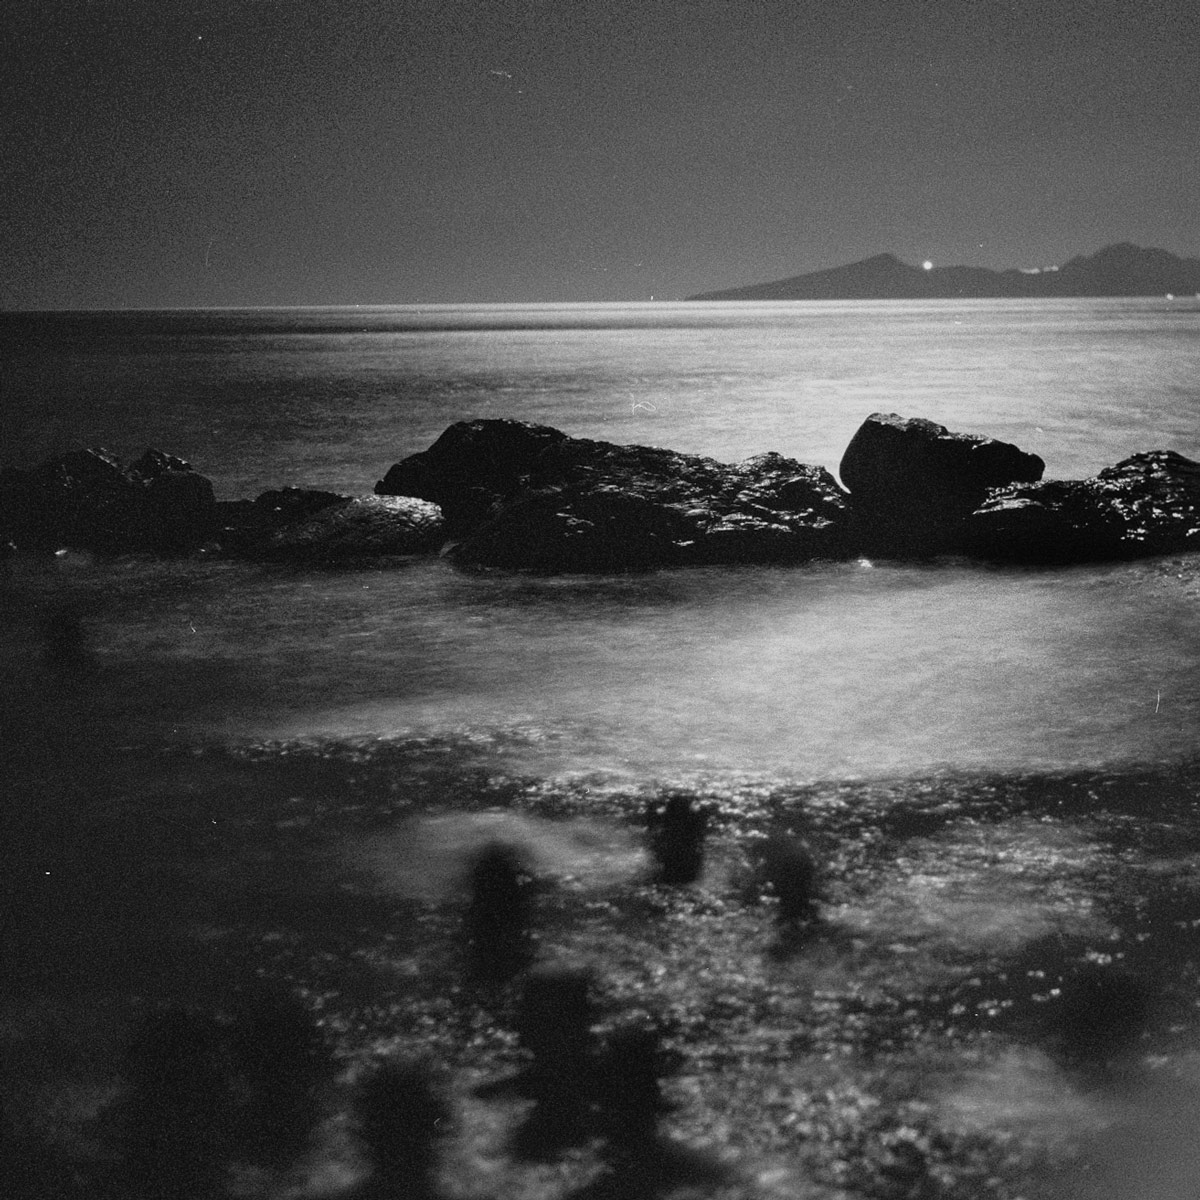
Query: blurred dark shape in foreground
x,y
31,1168
554,1023
177,1117
64,643
787,870
204,1093
677,831
497,928
631,1098
1102,1013
641,1162
401,1116
281,1067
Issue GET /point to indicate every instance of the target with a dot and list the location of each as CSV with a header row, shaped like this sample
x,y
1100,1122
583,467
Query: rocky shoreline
x,y
517,496
939,1028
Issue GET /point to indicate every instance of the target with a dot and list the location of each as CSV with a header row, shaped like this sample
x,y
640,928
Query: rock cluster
x,y
87,500
1147,504
513,495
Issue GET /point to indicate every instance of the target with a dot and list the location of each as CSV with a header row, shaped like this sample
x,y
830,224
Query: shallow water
x,y
821,671
447,704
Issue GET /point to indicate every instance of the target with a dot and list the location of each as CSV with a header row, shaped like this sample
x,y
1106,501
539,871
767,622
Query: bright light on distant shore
x,y
928,266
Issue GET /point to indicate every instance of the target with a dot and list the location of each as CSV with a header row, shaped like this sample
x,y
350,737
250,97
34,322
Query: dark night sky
x,y
216,152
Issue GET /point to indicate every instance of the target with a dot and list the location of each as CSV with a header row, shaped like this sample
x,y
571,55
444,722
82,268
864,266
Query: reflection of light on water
x,y
1135,1140
827,670
832,670
1024,1091
425,857
989,887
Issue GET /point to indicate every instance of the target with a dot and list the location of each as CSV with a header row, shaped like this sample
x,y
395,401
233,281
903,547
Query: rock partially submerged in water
x,y
540,499
86,500
913,483
1144,505
362,527
473,466
248,526
514,495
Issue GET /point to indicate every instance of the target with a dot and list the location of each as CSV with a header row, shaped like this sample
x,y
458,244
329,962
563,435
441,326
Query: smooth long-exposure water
x,y
821,670
250,771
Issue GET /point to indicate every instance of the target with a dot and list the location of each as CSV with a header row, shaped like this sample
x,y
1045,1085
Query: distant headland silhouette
x,y
1122,269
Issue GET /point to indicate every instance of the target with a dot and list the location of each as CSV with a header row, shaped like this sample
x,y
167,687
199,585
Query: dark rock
x,y
286,506
155,464
521,496
471,466
577,529
245,526
786,511
913,484
364,527
1147,504
85,500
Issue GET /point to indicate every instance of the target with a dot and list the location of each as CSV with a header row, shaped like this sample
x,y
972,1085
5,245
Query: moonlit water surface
x,y
331,397
823,670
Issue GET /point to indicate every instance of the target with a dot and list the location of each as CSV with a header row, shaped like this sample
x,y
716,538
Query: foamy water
x,y
820,671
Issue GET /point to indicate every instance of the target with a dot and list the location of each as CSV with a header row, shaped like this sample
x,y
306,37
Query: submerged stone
x,y
363,527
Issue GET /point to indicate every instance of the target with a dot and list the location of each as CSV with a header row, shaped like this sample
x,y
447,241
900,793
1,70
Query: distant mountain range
x,y
1119,270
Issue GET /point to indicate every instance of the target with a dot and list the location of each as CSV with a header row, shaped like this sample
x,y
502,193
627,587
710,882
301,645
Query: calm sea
x,y
824,670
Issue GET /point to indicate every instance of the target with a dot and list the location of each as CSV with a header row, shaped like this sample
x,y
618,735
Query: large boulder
x,y
913,483
363,527
595,506
247,526
86,500
471,467
1147,504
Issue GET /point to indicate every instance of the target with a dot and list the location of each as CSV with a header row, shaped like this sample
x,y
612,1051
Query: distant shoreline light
x,y
927,265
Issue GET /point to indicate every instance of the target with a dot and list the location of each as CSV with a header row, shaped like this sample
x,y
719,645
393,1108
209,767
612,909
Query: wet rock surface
x,y
518,496
551,502
87,500
1146,504
471,467
913,482
363,527
247,525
